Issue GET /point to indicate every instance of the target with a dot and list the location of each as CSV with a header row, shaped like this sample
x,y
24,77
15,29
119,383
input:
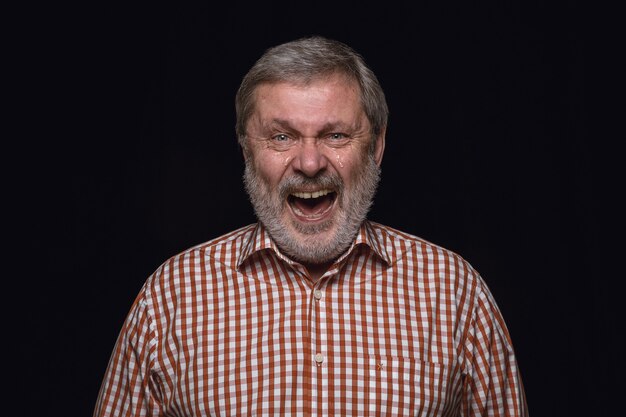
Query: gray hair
x,y
304,60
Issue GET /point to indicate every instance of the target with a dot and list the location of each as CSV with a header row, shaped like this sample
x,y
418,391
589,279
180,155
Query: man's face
x,y
310,170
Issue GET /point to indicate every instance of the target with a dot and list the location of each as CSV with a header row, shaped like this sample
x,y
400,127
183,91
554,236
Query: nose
x,y
309,160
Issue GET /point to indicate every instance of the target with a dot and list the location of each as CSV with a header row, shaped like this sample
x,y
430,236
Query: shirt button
x,y
319,358
317,294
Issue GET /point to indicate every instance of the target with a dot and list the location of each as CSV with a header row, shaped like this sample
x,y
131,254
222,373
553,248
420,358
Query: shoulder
x,y
186,269
442,273
404,244
426,261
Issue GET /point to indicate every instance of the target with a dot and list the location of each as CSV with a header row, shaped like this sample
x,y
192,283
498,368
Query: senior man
x,y
314,310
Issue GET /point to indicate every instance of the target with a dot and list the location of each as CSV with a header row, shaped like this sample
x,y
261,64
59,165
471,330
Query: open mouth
x,y
312,206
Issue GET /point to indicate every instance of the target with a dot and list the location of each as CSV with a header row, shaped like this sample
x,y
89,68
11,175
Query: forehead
x,y
332,95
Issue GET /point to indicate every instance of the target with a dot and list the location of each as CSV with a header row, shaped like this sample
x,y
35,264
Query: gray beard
x,y
353,206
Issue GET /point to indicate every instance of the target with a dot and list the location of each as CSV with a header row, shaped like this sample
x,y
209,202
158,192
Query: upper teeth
x,y
314,194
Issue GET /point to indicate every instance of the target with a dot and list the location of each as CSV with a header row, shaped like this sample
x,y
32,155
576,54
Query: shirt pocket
x,y
393,386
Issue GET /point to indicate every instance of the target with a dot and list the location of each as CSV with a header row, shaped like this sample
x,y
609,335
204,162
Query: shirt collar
x,y
259,240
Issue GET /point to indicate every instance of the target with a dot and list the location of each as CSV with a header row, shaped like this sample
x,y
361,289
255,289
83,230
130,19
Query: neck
x,y
317,270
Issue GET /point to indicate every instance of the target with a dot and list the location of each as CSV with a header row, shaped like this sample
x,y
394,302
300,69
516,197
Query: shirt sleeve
x,y
130,386
494,385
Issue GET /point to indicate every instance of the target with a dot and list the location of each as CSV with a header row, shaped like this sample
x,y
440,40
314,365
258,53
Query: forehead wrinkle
x,y
281,123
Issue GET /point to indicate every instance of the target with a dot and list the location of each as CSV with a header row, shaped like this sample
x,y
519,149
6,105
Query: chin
x,y
312,243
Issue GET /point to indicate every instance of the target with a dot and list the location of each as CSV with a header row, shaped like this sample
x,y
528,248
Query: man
x,y
314,310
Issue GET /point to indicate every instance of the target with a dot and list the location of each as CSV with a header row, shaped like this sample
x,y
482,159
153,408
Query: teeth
x,y
314,194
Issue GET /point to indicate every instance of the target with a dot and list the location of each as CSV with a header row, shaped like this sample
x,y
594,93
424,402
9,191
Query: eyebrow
x,y
286,125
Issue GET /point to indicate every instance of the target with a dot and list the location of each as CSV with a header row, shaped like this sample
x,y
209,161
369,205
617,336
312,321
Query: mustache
x,y
299,182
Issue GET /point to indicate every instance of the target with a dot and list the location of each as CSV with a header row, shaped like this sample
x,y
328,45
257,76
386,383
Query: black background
x,y
132,158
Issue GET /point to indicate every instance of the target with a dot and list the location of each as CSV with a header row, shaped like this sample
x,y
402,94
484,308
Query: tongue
x,y
312,206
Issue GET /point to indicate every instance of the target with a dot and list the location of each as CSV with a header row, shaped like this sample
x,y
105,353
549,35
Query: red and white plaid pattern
x,y
397,327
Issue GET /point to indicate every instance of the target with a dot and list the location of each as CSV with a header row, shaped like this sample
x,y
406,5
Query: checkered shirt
x,y
397,326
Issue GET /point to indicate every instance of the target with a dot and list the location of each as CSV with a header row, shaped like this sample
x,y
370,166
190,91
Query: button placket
x,y
321,348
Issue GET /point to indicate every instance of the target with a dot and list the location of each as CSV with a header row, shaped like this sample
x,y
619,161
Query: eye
x,y
337,136
280,137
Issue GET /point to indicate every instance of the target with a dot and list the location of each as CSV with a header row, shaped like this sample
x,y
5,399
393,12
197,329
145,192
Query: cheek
x,y
270,168
337,159
352,165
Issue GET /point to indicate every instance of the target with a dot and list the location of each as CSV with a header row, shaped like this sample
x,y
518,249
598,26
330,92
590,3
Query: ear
x,y
379,146
243,148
